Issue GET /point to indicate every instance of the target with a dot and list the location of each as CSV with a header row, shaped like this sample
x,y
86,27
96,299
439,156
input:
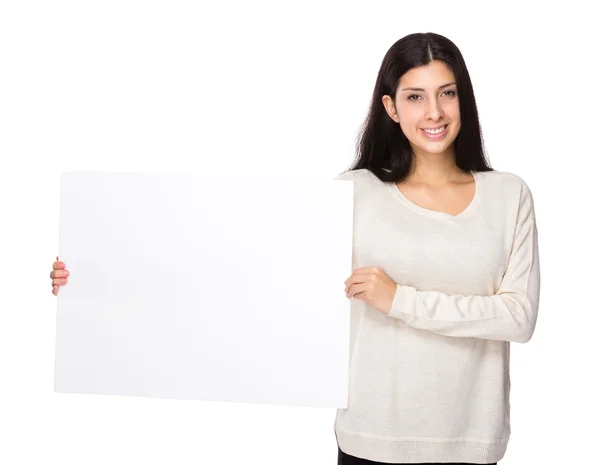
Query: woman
x,y
445,271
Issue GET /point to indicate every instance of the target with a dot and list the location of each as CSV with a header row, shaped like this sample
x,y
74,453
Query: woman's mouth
x,y
435,134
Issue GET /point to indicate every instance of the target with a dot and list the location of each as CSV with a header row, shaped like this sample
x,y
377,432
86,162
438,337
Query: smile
x,y
435,133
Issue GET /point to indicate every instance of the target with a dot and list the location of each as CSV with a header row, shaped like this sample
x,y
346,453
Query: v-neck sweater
x,y
429,381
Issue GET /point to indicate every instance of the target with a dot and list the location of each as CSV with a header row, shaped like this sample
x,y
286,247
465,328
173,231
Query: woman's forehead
x,y
430,76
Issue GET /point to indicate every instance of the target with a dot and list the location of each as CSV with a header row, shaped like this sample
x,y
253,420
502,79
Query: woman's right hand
x,y
59,276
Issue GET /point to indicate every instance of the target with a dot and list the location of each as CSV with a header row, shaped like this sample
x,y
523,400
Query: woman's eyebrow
x,y
417,89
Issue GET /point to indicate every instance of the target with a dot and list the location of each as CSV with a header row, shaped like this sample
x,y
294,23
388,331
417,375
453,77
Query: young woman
x,y
445,271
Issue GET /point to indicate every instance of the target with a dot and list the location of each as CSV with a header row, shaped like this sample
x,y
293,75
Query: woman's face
x,y
427,98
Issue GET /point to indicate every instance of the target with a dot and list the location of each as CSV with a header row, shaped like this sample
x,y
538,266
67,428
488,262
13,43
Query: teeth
x,y
437,131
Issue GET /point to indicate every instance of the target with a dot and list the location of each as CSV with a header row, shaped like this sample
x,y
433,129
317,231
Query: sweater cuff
x,y
401,305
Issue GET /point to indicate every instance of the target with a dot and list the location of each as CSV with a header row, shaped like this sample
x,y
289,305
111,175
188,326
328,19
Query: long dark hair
x,y
381,146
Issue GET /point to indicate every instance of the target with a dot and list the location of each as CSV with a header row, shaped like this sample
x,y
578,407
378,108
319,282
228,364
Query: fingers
x,y
356,289
359,279
59,274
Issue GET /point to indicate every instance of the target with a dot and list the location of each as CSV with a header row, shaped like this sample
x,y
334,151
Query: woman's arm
x,y
508,315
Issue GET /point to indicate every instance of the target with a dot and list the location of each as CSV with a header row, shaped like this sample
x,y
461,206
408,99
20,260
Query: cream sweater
x,y
429,381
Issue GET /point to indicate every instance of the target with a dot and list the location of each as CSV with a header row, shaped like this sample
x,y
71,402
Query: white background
x,y
269,88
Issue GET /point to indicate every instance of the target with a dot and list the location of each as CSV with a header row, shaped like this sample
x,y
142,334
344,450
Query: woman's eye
x,y
414,97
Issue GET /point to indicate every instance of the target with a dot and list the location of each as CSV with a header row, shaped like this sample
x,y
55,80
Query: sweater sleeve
x,y
508,315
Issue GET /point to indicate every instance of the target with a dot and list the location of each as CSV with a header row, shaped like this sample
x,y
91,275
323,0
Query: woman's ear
x,y
390,108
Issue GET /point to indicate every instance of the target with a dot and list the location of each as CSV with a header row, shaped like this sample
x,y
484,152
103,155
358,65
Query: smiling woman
x,y
445,271
427,114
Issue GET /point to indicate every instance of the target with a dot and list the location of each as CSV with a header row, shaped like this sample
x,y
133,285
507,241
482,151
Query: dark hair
x,y
382,145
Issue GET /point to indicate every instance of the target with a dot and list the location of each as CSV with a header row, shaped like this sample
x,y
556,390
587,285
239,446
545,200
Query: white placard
x,y
203,287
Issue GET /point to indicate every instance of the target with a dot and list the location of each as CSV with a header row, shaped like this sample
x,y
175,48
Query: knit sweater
x,y
429,381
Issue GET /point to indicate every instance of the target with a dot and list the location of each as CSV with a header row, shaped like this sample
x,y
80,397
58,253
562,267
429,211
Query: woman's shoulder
x,y
364,180
354,174
506,185
504,179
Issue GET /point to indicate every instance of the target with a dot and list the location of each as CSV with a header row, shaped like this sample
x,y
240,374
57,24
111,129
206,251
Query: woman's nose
x,y
433,110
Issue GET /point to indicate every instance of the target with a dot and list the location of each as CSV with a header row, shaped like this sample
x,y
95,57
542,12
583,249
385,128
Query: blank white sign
x,y
203,287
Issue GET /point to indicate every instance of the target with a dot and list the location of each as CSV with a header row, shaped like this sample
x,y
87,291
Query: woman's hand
x,y
58,276
372,285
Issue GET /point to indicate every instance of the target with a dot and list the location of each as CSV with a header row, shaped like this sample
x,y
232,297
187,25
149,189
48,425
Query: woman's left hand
x,y
372,285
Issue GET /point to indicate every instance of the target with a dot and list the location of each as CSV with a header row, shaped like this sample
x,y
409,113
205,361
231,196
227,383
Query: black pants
x,y
345,459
